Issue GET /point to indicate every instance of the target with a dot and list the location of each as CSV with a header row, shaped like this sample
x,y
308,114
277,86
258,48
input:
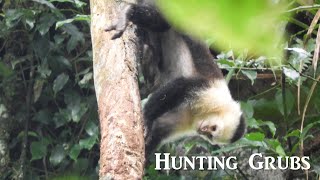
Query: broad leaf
x,y
57,155
240,25
247,109
289,101
88,143
256,136
38,150
252,75
92,129
75,151
59,82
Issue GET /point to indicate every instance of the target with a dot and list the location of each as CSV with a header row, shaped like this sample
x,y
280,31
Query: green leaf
x,y
59,63
273,143
57,155
252,75
30,133
43,69
45,22
77,111
247,108
225,63
13,17
78,17
255,136
3,111
294,133
86,79
75,151
88,143
79,3
76,36
249,142
43,116
252,123
270,125
62,61
59,82
37,89
29,18
276,146
61,23
307,128
45,2
41,46
239,25
75,107
61,118
92,129
289,101
38,150
280,151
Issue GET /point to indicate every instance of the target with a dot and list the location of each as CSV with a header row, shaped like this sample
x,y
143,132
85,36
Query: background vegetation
x,y
48,113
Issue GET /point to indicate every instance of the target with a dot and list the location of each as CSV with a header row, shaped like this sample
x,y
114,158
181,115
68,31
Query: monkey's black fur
x,y
168,98
186,67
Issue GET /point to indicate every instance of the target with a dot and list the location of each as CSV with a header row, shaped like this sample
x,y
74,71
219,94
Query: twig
x,y
304,114
301,74
303,8
264,92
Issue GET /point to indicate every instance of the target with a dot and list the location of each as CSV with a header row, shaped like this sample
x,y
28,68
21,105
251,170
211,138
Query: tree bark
x,y
114,65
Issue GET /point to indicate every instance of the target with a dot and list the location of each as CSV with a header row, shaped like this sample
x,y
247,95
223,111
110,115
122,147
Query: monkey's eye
x,y
213,128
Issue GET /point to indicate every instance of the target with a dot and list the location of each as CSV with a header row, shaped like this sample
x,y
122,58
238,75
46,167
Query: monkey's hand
x,y
119,25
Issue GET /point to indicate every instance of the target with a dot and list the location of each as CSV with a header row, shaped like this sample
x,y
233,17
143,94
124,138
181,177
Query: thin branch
x,y
305,110
264,92
304,8
301,74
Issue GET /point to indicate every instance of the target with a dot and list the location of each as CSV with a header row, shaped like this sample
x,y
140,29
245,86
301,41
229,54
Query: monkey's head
x,y
222,127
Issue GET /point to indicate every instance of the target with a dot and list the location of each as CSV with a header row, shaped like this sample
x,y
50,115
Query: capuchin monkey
x,y
193,98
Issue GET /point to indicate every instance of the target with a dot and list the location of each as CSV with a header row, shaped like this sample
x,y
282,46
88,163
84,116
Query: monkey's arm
x,y
145,16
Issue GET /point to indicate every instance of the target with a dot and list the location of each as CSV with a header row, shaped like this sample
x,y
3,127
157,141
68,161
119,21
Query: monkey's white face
x,y
220,115
220,128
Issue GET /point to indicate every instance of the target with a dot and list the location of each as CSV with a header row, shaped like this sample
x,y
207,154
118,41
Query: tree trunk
x,y
114,65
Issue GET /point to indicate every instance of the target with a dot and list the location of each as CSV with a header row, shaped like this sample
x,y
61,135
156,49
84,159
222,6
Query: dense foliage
x,y
46,80
46,85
